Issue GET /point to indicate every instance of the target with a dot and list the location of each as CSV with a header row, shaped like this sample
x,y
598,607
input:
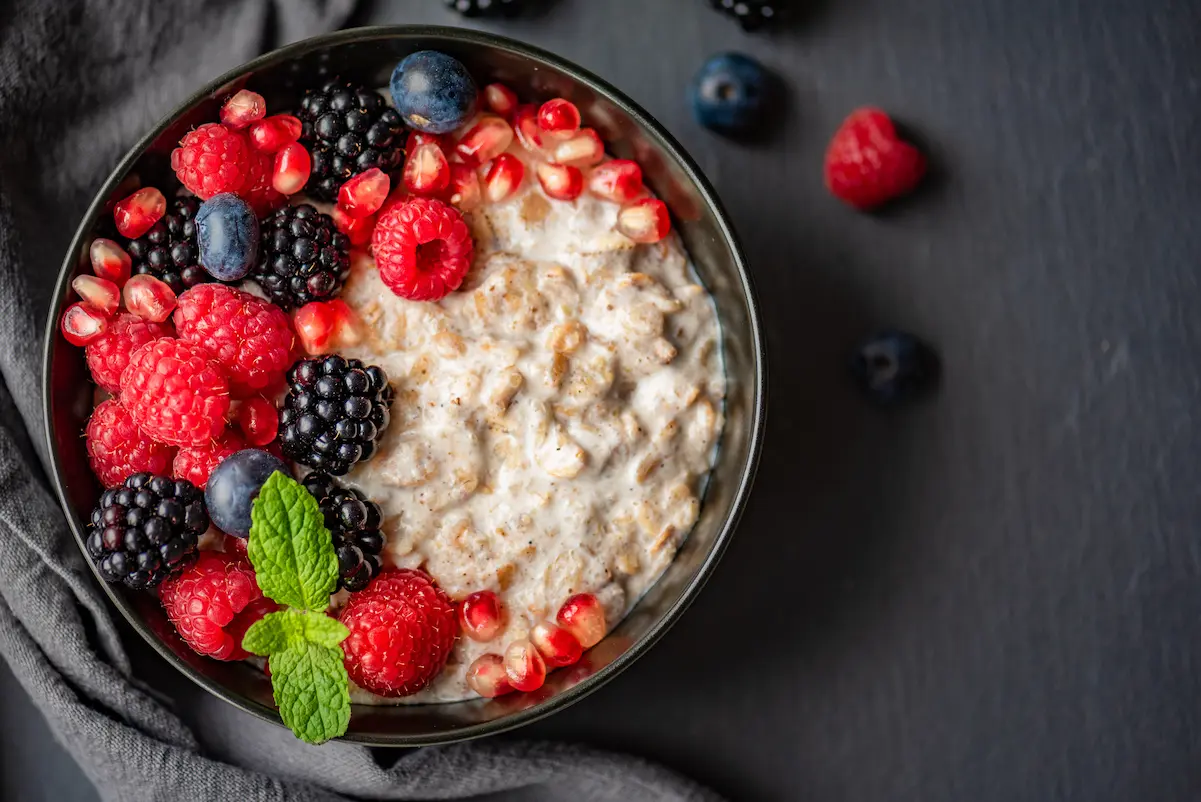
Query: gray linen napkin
x,y
80,80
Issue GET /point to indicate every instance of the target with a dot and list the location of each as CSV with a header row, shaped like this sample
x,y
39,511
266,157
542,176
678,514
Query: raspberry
x,y
213,602
213,159
108,354
117,448
868,164
250,338
195,463
423,249
176,392
402,627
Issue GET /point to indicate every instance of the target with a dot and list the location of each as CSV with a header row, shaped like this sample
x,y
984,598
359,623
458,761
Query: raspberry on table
x,y
302,257
250,338
117,448
354,524
335,413
168,250
423,248
213,159
868,164
195,463
146,529
108,353
402,627
348,129
176,392
213,602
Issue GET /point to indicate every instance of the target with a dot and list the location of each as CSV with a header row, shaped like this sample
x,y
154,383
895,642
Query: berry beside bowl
x,y
416,365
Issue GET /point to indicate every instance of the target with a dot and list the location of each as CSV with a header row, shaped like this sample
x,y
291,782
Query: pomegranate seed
x,y
110,261
101,293
560,182
556,645
362,195
347,328
464,189
293,165
489,138
314,324
585,149
524,666
275,132
559,118
242,109
426,171
482,615
500,99
422,138
504,177
258,421
619,181
583,616
358,229
322,325
137,213
644,220
149,298
486,676
81,324
525,124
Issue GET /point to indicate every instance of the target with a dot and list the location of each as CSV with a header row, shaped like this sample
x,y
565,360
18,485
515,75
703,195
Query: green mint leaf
x,y
289,547
312,690
282,630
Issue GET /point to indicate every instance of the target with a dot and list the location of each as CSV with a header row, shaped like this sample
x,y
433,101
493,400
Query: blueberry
x,y
893,366
730,93
227,234
234,484
433,92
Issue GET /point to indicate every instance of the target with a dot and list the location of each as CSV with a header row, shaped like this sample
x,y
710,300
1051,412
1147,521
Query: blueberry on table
x,y
892,366
730,93
227,236
233,486
433,92
751,14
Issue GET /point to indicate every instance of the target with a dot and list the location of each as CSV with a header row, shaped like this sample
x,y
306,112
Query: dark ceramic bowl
x,y
369,54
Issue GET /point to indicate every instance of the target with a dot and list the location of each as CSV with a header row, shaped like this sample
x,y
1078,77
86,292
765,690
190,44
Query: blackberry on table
x,y
348,129
335,412
354,523
302,257
487,8
168,250
751,14
146,529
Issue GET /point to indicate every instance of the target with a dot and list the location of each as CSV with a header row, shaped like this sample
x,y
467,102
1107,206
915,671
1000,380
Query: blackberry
x,y
168,250
354,522
146,529
335,413
348,129
302,257
486,8
751,14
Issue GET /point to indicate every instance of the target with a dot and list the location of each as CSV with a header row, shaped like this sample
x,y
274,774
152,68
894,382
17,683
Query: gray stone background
x,y
991,596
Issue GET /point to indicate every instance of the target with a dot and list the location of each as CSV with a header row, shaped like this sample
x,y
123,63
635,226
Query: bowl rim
x,y
757,413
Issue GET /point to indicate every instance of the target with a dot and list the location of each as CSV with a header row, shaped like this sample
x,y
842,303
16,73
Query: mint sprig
x,y
295,565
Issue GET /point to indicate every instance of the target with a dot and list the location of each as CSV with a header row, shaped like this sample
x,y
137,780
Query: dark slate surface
x,y
992,596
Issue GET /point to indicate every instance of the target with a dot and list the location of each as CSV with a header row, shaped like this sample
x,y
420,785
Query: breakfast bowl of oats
x,y
414,363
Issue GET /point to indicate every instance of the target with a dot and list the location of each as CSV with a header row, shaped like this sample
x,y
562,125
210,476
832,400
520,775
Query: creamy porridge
x,y
555,419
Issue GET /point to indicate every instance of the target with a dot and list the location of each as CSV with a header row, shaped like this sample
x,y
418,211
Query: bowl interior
x,y
369,55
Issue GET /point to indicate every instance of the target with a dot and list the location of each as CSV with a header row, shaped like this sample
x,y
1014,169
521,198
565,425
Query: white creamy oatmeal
x,y
555,419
